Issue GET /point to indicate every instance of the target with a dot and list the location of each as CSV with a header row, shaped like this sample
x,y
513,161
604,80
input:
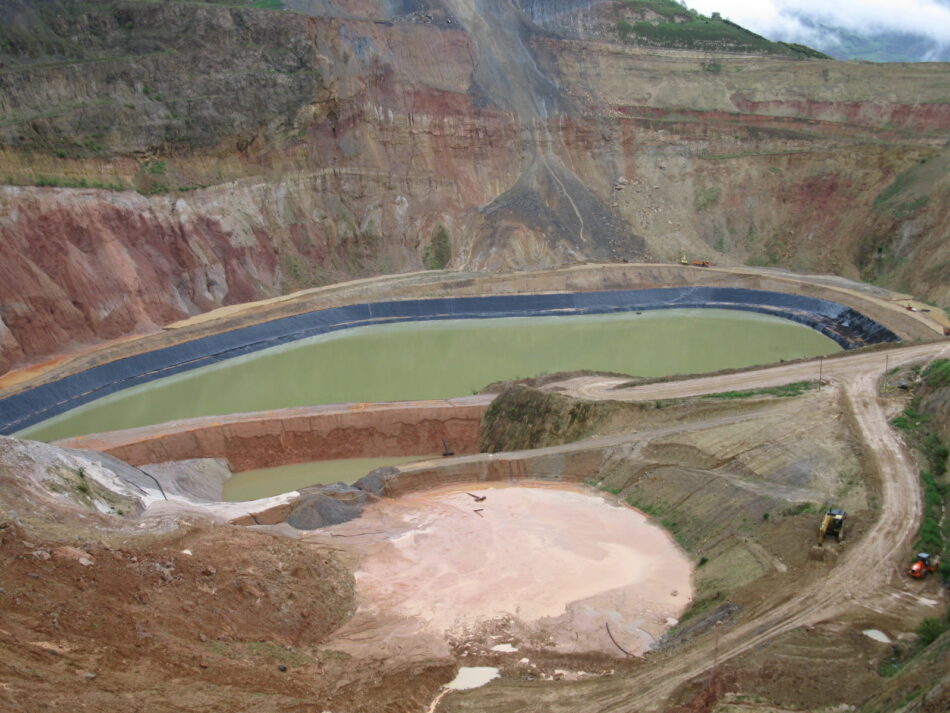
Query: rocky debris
x,y
822,554
374,482
721,615
73,554
317,510
146,616
199,479
72,479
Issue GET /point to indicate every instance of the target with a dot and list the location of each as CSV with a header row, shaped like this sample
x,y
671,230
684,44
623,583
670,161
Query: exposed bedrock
x,y
299,435
364,137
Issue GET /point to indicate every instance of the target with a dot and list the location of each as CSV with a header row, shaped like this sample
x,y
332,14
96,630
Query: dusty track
x,y
862,579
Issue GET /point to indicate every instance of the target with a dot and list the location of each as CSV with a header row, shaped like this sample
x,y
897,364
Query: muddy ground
x,y
136,623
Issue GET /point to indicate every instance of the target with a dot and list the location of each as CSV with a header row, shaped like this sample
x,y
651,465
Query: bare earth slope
x,y
865,577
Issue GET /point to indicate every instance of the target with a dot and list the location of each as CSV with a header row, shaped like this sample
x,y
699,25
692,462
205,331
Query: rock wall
x,y
311,148
301,435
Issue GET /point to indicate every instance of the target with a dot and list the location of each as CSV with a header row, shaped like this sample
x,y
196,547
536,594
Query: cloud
x,y
783,18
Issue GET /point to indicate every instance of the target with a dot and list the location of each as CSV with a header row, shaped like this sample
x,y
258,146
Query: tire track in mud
x,y
862,578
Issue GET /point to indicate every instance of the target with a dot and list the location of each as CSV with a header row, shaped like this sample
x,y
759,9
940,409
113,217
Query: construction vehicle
x,y
832,524
701,263
683,260
924,565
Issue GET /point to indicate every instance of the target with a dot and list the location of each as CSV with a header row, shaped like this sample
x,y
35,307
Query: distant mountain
x,y
883,46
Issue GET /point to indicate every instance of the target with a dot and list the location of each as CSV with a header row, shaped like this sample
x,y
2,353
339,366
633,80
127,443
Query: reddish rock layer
x,y
300,435
374,134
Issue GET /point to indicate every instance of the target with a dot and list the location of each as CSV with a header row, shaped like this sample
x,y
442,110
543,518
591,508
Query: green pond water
x,y
438,359
253,484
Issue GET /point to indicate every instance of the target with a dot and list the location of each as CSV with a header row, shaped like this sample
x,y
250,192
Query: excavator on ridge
x,y
832,524
694,263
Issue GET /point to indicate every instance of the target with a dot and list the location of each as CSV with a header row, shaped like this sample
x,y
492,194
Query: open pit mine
x,y
431,356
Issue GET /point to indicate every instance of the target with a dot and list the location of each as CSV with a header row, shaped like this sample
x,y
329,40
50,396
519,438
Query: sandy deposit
x,y
551,565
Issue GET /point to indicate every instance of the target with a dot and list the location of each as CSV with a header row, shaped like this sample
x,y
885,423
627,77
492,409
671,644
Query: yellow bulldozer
x,y
831,524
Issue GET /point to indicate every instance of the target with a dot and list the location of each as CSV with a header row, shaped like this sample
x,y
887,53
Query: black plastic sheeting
x,y
842,324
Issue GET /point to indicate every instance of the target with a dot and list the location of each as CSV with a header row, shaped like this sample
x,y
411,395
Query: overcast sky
x,y
778,19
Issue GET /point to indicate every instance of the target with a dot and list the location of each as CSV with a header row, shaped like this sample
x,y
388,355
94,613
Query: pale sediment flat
x,y
556,563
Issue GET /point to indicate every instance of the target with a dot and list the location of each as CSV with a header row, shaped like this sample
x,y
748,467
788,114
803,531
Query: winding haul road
x,y
863,576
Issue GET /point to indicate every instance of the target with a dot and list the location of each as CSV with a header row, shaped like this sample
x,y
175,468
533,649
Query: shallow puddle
x,y
262,483
470,677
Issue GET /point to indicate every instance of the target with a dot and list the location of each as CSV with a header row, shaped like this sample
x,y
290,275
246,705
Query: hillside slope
x,y
165,158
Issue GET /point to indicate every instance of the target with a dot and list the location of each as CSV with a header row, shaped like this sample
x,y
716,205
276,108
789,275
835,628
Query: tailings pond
x,y
440,359
262,483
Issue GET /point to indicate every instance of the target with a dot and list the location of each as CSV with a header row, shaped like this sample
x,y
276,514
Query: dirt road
x,y
864,576
840,369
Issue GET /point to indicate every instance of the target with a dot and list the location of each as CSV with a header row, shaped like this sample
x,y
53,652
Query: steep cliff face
x,y
165,158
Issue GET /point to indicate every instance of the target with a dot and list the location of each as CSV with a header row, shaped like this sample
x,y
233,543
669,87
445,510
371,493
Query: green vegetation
x,y
910,207
800,508
701,605
60,182
898,185
521,418
438,252
665,8
805,50
921,433
787,390
83,486
665,23
937,375
666,520
706,197
743,154
928,631
930,537
910,418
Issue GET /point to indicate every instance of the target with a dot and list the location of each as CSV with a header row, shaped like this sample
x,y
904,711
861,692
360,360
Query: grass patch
x,y
743,154
706,197
917,426
800,509
910,207
83,486
928,631
438,252
665,23
643,507
59,182
938,373
900,184
787,390
667,521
